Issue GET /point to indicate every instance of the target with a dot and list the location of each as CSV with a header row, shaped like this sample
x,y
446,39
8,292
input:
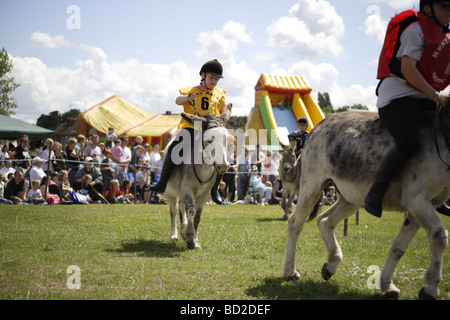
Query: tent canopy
x,y
13,129
130,120
155,127
117,113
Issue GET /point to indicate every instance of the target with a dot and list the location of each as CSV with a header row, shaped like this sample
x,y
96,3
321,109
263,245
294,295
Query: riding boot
x,y
390,167
215,190
444,209
166,171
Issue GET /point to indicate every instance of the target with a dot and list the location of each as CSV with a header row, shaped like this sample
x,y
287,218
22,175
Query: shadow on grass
x,y
150,248
281,289
271,219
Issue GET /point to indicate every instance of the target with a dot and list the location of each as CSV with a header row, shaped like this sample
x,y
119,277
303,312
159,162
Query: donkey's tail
x,y
313,214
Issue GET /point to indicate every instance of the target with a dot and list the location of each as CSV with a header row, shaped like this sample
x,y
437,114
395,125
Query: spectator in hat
x,y
36,171
97,179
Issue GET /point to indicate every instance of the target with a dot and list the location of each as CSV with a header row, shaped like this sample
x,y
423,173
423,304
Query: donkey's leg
x,y
183,222
190,231
438,238
197,217
305,205
284,205
173,218
401,242
327,223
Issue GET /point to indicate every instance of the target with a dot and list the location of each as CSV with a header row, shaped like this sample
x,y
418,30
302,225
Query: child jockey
x,y
202,99
413,69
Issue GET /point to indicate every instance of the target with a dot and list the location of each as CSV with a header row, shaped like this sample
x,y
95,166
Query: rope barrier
x,y
115,164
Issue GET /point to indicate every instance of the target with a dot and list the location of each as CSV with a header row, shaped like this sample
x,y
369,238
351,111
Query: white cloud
x,y
374,25
44,89
312,27
398,4
44,40
222,44
324,77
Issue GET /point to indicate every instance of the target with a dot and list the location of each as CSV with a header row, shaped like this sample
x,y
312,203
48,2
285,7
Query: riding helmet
x,y
214,67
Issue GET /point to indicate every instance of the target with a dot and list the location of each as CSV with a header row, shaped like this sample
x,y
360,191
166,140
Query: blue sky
x,y
144,51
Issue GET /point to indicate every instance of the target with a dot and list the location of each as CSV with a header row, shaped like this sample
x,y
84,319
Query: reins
x,y
199,180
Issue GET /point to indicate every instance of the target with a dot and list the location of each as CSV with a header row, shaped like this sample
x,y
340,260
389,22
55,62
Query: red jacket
x,y
435,57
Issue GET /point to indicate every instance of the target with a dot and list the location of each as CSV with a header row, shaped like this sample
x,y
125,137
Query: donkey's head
x,y
214,137
288,158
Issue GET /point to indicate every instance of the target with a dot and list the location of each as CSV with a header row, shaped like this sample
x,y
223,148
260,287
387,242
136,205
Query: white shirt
x,y
154,158
34,194
36,173
392,87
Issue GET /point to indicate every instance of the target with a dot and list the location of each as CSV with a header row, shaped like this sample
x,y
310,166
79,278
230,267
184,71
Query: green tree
x,y
72,113
49,121
7,85
325,103
354,107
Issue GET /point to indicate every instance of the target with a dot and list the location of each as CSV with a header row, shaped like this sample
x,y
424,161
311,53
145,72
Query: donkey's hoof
x,y
191,245
425,296
392,295
295,276
326,275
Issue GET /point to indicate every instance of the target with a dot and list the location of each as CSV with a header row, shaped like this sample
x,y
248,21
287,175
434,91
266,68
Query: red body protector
x,y
435,58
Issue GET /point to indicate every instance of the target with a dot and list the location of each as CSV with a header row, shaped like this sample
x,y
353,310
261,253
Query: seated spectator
x,y
277,193
48,191
96,176
35,194
8,168
265,192
16,189
3,182
85,187
65,187
330,197
143,182
126,189
107,170
223,192
36,171
114,194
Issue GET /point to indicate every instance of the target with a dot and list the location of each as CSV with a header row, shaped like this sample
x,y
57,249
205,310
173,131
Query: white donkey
x,y
347,149
190,183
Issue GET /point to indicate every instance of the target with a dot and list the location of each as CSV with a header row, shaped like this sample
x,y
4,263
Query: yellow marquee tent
x,y
128,119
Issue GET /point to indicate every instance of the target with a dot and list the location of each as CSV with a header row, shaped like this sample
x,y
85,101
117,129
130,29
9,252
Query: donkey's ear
x,y
192,118
285,147
292,144
225,116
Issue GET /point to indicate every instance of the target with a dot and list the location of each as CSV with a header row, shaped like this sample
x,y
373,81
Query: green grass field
x,y
124,252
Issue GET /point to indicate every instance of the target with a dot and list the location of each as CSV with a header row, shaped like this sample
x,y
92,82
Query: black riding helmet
x,y
303,120
214,67
430,2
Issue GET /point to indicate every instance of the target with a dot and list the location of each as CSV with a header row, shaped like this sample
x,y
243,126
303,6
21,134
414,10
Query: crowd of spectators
x,y
83,171
115,171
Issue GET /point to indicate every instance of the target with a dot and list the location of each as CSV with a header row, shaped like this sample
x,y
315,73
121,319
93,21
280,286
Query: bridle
x,y
210,125
293,166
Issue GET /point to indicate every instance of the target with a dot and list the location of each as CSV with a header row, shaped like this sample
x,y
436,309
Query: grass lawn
x,y
124,252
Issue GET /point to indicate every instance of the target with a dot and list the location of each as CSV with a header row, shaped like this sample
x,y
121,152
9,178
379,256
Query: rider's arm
x,y
184,99
412,74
